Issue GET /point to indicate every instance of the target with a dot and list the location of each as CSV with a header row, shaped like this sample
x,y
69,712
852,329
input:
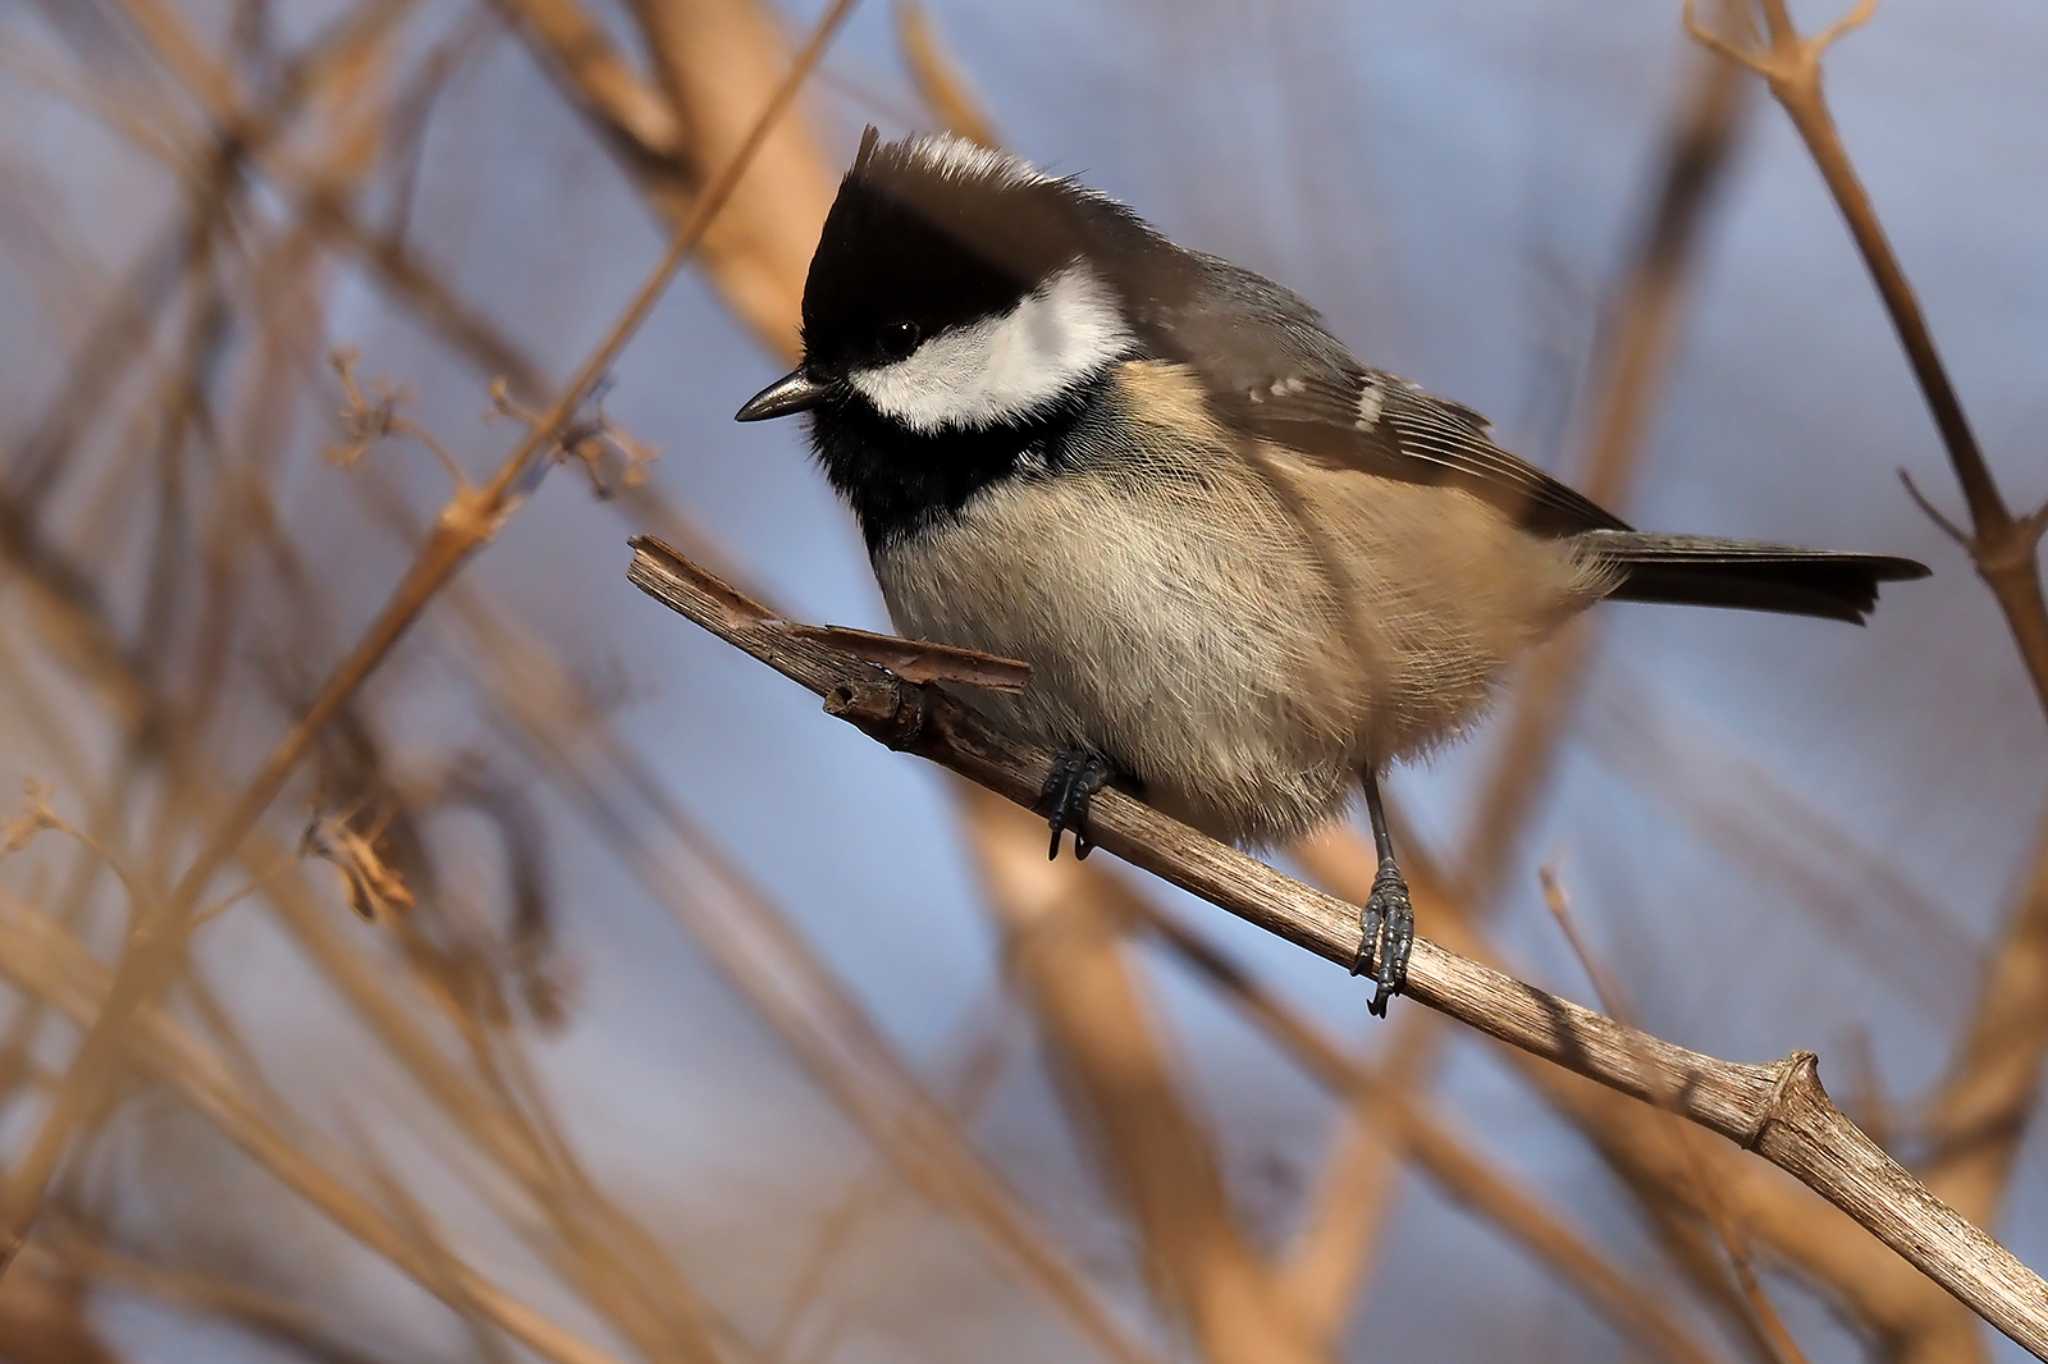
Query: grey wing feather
x,y
1379,424
1274,371
1236,327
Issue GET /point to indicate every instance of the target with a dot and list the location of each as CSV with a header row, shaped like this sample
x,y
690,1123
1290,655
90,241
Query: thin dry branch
x,y
1996,1082
756,947
45,1317
1088,996
1458,1168
707,55
1769,1324
1778,1110
42,959
2004,547
1979,1115
121,333
1880,1292
295,1326
470,520
1066,947
1633,359
593,72
599,1251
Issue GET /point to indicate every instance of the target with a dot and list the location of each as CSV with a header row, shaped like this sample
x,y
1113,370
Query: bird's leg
x,y
1388,919
1077,774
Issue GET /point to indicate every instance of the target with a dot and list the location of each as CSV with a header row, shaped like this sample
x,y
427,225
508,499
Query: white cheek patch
x,y
1002,368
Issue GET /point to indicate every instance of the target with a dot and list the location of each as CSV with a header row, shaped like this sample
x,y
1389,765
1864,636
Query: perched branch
x,y
1778,1110
594,73
1882,1293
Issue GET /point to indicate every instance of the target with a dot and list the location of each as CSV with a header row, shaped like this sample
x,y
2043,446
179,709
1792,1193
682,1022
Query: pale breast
x,y
1244,639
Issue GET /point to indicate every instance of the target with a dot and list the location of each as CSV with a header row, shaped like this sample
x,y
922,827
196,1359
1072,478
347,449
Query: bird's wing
x,y
1272,370
1371,421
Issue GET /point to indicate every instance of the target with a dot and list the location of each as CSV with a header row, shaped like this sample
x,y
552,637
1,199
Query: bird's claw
x,y
1077,774
1387,934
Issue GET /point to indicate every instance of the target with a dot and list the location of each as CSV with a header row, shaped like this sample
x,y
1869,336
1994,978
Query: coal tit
x,y
1248,572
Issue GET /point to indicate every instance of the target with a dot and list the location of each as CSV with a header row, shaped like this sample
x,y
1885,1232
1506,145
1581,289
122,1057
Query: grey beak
x,y
794,392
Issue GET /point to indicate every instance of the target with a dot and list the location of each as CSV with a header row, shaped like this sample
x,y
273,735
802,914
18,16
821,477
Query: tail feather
x,y
1701,570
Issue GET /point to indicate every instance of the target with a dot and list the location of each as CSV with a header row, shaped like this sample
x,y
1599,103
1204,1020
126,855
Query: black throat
x,y
900,482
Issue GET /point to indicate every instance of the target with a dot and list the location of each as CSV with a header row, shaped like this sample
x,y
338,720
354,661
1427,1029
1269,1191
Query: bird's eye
x,y
899,339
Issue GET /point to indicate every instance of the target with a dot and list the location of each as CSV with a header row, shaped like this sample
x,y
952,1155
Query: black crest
x,y
938,233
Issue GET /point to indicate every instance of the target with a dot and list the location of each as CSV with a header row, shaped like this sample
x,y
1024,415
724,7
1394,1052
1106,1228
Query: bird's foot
x,y
1077,774
1388,933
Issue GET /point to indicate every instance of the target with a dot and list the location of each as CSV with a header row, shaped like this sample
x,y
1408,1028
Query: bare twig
x,y
1098,1021
40,958
1881,1292
760,951
1633,357
1438,1150
45,1317
595,73
1979,1116
469,521
1995,1084
702,53
259,1313
2004,547
1778,1110
116,337
1770,1325
938,80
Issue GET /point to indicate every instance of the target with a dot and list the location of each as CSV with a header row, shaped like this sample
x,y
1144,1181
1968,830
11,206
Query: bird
x,y
1248,571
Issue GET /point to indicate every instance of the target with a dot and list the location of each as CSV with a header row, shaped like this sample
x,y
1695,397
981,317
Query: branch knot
x,y
886,709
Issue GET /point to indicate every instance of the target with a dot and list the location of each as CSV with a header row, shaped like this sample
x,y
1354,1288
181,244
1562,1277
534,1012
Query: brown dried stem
x,y
1778,1110
1979,1114
41,959
938,80
1996,1074
2004,547
1769,1325
469,521
1442,1154
1882,1293
852,1059
1633,359
1066,948
756,947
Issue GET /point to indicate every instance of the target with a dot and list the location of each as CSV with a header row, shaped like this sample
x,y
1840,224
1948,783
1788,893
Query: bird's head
x,y
956,288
